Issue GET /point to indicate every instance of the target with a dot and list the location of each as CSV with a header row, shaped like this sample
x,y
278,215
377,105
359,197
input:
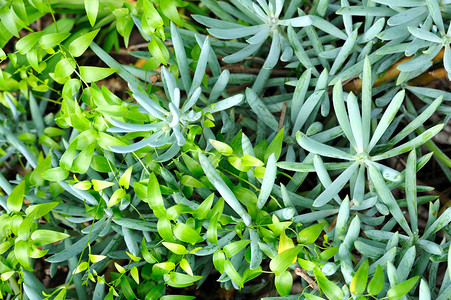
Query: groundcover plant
x,y
168,149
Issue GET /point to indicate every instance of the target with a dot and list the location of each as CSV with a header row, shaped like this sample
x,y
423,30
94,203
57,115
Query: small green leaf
x,y
377,282
96,258
282,261
203,209
81,163
78,46
99,185
154,196
251,161
125,178
186,267
191,182
92,8
401,289
117,196
332,291
235,247
284,283
186,234
15,199
219,260
81,267
275,146
55,174
358,283
135,274
222,148
310,234
232,273
176,248
25,44
21,253
44,237
93,74
51,40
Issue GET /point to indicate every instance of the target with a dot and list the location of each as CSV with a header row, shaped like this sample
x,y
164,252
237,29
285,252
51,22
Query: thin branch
x,y
302,273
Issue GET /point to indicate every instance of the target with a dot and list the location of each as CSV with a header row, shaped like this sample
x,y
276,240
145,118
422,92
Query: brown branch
x,y
429,76
282,115
238,88
356,85
302,273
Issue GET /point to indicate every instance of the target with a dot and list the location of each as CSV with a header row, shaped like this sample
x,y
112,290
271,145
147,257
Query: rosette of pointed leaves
x,y
170,121
265,21
435,43
368,145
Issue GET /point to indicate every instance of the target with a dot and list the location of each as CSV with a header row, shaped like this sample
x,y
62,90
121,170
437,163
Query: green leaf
x,y
55,174
284,283
275,146
360,279
332,291
36,211
219,260
127,289
151,19
136,224
154,197
135,274
92,74
51,40
78,46
149,258
203,209
232,273
21,253
81,267
124,181
442,221
25,44
170,10
44,237
99,185
401,289
312,297
235,247
282,261
158,50
176,248
15,199
92,8
186,267
223,189
186,234
377,282
414,143
180,280
222,148
81,163
117,196
310,234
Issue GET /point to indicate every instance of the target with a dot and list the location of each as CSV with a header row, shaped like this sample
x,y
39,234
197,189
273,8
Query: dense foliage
x,y
257,143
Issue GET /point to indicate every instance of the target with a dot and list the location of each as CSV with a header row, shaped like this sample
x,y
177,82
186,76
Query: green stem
x,y
438,154
14,285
